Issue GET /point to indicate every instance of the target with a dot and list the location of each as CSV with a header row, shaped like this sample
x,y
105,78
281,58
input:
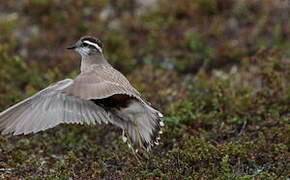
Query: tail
x,y
142,123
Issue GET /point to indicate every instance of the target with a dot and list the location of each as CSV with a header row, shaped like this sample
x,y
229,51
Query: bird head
x,y
87,46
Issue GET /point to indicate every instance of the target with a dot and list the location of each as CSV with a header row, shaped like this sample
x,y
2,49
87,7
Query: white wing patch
x,y
95,45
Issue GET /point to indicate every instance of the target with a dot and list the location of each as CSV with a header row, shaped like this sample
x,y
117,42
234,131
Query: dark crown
x,y
93,40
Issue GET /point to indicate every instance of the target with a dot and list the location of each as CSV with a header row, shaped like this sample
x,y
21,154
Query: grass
x,y
222,82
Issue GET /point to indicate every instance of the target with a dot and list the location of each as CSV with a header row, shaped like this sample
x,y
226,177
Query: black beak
x,y
72,47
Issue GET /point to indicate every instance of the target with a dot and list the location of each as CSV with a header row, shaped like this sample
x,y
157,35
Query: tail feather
x,y
142,123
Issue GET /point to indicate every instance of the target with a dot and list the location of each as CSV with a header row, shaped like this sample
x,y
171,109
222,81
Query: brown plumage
x,y
99,93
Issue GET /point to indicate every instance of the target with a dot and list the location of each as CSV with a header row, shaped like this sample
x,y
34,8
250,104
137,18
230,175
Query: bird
x,y
98,94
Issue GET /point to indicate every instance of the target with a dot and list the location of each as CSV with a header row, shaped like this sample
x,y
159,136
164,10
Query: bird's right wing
x,y
47,109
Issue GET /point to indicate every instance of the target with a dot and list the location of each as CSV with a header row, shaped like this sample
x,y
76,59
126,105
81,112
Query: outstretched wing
x,y
48,108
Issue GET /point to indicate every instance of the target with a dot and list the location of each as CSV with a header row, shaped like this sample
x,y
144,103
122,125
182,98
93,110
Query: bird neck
x,y
87,61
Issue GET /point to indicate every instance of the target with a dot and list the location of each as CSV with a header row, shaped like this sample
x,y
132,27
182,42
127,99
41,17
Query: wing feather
x,y
49,108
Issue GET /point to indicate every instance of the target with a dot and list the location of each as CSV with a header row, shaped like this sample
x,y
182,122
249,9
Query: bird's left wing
x,y
48,108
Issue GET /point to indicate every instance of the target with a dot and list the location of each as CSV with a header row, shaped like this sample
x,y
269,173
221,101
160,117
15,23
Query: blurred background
x,y
218,69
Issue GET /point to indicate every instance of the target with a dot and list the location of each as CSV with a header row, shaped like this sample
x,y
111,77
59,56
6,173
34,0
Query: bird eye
x,y
85,44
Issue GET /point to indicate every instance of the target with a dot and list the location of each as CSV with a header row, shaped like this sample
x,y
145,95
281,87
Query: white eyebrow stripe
x,y
94,44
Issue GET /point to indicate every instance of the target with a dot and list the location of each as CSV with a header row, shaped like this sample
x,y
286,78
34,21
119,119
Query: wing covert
x,y
99,82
